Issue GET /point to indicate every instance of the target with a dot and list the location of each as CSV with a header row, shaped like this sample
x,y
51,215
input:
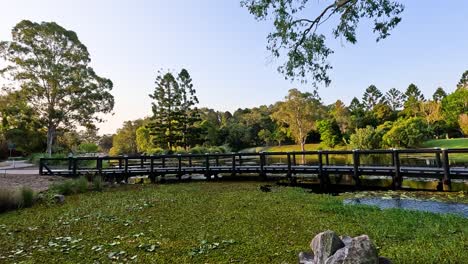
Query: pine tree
x,y
371,97
189,113
394,98
165,126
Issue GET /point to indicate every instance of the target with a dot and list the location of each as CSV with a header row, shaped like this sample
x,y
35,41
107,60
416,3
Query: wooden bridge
x,y
444,165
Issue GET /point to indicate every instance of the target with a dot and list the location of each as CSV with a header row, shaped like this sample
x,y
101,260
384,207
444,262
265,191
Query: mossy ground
x,y
216,222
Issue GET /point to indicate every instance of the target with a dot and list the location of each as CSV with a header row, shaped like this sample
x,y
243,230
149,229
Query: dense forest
x,y
377,119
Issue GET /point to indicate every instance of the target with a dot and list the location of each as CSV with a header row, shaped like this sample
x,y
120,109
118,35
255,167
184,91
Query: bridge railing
x,y
446,164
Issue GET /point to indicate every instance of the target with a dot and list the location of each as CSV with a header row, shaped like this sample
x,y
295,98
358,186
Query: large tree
x,y
51,66
165,126
174,111
189,112
299,112
298,32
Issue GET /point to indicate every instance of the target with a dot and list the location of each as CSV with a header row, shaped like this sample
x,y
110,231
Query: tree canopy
x,y
51,66
298,31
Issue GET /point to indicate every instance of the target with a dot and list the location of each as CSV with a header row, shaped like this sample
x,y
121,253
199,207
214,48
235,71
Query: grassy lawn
x,y
285,148
446,143
216,223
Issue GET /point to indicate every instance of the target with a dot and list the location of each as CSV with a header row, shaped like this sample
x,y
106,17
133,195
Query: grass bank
x,y
216,223
446,143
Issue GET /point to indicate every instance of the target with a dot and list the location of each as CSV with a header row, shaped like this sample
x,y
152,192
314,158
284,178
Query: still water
x,y
410,204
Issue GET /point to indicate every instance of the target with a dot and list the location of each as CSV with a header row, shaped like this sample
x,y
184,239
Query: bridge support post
x,y
289,174
99,166
41,166
447,186
179,166
262,166
207,166
233,172
321,177
356,163
75,167
397,179
152,175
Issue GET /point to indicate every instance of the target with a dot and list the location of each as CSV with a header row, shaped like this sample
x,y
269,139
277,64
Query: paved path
x,y
18,167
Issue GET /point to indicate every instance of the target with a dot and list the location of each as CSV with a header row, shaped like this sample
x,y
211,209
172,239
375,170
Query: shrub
x,y
365,138
27,197
35,157
81,185
198,150
98,184
68,187
88,147
407,133
9,200
65,187
155,151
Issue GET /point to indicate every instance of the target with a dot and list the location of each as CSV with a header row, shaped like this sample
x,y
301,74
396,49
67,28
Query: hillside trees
x,y
51,66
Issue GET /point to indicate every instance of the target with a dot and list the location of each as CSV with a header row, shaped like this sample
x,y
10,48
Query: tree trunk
x,y
303,149
50,139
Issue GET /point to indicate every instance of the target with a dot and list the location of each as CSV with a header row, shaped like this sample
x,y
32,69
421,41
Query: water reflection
x,y
427,206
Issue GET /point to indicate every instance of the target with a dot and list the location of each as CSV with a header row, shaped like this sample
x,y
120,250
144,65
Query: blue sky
x,y
223,48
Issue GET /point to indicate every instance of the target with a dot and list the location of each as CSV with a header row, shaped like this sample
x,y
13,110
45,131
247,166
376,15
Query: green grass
x,y
216,223
446,143
284,148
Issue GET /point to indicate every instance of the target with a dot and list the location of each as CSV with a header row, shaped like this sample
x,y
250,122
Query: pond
x,y
411,204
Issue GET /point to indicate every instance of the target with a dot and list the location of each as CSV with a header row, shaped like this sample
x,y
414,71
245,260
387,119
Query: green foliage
x,y
446,143
9,200
407,133
88,147
52,67
98,184
124,141
342,116
455,104
439,95
92,226
27,197
394,98
297,33
372,96
144,140
35,157
330,134
299,112
72,186
174,114
365,138
12,199
20,124
463,83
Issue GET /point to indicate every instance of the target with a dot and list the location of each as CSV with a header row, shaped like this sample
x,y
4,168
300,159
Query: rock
x,y
306,258
324,245
359,251
58,198
346,240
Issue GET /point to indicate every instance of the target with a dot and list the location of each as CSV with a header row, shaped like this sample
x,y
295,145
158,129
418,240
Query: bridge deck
x,y
426,163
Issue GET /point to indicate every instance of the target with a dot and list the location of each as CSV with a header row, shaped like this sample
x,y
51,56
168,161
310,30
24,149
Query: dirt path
x,y
35,182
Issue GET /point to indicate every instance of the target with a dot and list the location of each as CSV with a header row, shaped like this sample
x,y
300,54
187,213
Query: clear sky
x,y
223,48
